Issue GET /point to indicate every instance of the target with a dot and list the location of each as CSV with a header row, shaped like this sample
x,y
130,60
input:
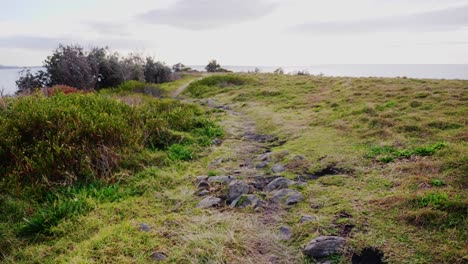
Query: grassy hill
x,y
381,163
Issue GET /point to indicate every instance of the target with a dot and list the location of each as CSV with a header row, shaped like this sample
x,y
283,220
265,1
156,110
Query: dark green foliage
x,y
437,183
157,72
29,82
69,65
179,152
213,66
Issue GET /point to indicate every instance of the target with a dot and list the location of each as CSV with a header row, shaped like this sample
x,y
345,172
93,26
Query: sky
x,y
241,32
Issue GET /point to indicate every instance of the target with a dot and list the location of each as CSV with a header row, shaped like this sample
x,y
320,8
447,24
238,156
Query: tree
x,y
279,71
29,82
134,68
69,65
213,66
179,67
157,72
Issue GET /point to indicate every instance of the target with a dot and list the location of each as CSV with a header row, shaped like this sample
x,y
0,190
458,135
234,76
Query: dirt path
x,y
240,153
182,88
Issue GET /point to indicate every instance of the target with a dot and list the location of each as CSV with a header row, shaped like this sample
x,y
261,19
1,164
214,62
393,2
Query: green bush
x,y
58,140
201,87
61,139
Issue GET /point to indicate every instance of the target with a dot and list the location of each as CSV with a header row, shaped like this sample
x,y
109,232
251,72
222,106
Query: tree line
x,y
99,68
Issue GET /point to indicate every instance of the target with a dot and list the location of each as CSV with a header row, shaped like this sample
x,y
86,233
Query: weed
x,y
437,183
179,152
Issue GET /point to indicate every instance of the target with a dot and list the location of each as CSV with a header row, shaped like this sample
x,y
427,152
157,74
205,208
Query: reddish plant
x,y
65,89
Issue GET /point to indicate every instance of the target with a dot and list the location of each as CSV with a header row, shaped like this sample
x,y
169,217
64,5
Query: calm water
x,y
8,78
423,71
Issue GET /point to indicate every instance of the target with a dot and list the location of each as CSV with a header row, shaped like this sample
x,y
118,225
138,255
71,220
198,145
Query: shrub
x,y
29,82
213,66
199,88
60,89
157,72
69,65
130,87
61,139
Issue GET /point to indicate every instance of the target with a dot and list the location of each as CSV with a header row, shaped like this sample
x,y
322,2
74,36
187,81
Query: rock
x,y
262,165
209,201
244,201
203,193
285,233
277,168
289,196
299,157
216,162
236,189
144,227
203,185
265,156
307,218
217,141
158,256
279,183
202,178
324,246
220,179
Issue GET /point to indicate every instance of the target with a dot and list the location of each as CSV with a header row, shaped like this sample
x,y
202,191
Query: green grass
x,y
395,137
399,143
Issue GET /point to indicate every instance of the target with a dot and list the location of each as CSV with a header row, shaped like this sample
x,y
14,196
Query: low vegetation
x,y
110,176
392,153
65,153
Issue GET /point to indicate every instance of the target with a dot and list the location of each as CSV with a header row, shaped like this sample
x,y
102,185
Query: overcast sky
x,y
241,32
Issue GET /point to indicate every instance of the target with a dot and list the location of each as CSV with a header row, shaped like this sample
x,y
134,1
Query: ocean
x,y
420,71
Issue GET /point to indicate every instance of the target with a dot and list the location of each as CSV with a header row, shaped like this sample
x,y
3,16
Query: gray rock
x,y
217,141
289,196
209,201
285,233
202,178
262,165
277,168
144,227
203,193
236,189
158,256
203,185
324,246
220,179
265,156
216,162
279,183
299,157
307,218
244,201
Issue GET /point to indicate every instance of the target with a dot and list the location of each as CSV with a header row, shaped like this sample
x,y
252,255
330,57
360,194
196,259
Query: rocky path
x,y
249,182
